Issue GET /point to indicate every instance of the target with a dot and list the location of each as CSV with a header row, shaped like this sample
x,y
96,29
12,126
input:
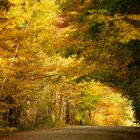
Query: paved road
x,y
80,133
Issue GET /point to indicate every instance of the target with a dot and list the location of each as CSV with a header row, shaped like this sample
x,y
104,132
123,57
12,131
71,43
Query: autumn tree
x,y
106,34
25,35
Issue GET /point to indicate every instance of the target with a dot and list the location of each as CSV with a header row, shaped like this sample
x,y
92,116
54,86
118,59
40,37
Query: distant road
x,y
80,133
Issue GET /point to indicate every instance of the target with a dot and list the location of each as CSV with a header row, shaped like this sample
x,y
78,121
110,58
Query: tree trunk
x,y
67,112
89,115
61,108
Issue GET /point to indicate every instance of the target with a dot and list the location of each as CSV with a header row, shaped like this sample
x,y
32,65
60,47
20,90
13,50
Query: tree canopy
x,y
69,62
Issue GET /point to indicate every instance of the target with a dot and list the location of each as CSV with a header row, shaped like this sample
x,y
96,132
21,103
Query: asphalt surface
x,y
79,133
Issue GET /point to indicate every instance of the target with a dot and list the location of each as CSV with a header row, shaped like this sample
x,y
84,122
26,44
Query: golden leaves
x,y
16,1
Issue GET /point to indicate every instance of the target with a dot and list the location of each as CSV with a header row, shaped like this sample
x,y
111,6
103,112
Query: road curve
x,y
79,133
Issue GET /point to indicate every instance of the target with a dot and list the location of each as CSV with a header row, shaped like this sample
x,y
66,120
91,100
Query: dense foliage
x,y
107,36
69,62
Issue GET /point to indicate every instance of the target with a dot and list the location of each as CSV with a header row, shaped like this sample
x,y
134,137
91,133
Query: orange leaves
x,y
108,107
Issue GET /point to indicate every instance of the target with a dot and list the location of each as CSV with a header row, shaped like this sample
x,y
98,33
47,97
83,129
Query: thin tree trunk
x,y
10,65
67,111
54,103
89,115
61,108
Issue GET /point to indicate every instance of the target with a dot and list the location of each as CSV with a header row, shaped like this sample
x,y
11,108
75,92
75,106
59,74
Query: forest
x,y
69,62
